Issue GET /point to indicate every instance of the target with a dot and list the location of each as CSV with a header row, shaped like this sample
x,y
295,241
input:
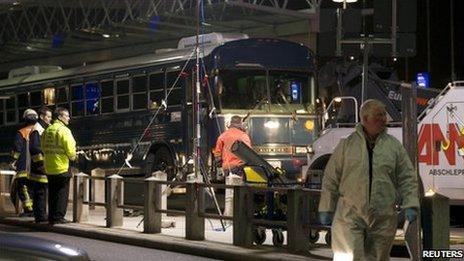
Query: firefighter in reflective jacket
x,y
59,147
26,150
37,178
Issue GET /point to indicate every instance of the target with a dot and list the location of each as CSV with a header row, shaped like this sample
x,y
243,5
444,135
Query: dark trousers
x,y
58,191
39,195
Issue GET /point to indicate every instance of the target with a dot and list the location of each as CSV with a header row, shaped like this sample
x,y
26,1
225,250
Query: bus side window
x,y
1,112
62,97
48,96
23,104
10,109
122,94
77,100
92,98
139,92
107,94
156,90
176,96
36,99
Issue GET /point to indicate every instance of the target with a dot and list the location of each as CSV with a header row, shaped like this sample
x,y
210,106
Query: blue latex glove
x,y
411,214
325,218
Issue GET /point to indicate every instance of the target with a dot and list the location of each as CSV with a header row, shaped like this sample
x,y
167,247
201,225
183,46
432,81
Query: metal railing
x,y
297,222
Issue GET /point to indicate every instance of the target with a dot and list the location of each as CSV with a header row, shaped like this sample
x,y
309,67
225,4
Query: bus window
x,y
10,109
49,96
92,98
139,92
62,97
36,99
1,112
23,100
23,103
122,94
243,89
288,91
77,100
156,89
289,87
107,94
176,95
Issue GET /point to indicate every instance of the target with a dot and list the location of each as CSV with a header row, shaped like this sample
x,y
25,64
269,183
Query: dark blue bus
x,y
270,81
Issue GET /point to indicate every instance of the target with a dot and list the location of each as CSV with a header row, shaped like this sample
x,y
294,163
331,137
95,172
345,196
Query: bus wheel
x,y
328,238
160,160
259,235
277,237
313,235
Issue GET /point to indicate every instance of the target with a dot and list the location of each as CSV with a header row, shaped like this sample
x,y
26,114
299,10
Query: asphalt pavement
x,y
103,250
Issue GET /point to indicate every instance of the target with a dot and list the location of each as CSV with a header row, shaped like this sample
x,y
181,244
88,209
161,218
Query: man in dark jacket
x,y
37,178
24,150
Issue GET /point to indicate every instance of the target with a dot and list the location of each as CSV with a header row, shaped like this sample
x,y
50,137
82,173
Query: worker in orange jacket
x,y
222,153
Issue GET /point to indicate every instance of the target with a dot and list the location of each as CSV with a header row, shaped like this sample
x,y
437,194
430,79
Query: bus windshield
x,y
267,91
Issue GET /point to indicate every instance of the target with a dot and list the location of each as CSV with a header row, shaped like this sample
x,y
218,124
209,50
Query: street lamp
x,y
345,2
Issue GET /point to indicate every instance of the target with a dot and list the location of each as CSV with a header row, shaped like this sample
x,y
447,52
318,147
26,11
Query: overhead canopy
x,y
35,30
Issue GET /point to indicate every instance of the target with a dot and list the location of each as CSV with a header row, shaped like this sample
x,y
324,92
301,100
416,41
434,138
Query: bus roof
x,y
106,67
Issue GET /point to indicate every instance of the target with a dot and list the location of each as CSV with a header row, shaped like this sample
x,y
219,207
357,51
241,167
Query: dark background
x,y
440,41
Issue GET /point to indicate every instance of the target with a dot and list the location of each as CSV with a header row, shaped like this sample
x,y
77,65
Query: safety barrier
x,y
297,222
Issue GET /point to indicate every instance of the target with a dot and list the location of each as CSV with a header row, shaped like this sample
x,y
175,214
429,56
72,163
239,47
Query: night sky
x,y
440,41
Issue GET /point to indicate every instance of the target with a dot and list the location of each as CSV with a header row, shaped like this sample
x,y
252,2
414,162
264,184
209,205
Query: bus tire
x,y
277,237
259,235
160,160
313,235
328,238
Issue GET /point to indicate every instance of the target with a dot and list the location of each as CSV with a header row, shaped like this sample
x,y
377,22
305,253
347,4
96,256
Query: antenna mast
x,y
196,103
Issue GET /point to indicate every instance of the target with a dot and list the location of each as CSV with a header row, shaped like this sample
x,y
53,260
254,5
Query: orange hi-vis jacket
x,y
224,143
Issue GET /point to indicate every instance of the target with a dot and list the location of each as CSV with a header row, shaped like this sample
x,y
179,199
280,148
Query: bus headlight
x,y
309,125
271,124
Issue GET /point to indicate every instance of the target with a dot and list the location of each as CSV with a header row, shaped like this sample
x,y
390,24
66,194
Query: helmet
x,y
30,115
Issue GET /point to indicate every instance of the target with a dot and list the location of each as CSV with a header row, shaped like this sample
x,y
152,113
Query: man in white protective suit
x,y
366,176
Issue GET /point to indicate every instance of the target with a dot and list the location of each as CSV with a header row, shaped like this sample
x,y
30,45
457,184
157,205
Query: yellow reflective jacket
x,y
345,185
58,146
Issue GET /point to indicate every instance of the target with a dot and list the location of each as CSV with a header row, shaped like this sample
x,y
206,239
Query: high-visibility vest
x,y
27,154
58,146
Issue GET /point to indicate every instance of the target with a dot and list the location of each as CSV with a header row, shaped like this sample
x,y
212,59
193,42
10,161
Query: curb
x,y
164,242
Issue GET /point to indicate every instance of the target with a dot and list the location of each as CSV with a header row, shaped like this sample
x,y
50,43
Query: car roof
x,y
26,244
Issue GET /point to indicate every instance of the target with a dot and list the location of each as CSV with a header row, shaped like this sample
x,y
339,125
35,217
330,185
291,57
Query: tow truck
x,y
440,142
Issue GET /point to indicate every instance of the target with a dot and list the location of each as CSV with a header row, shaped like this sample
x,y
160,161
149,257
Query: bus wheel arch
x,y
161,156
316,169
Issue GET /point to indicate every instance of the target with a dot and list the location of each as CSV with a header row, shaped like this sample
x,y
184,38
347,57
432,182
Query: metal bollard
x,y
194,225
234,180
297,216
152,218
97,187
243,214
80,194
435,216
6,207
114,215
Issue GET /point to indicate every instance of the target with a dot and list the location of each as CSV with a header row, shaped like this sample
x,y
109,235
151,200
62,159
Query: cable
x,y
157,111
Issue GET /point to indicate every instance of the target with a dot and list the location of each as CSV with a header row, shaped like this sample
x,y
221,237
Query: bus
x,y
269,82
